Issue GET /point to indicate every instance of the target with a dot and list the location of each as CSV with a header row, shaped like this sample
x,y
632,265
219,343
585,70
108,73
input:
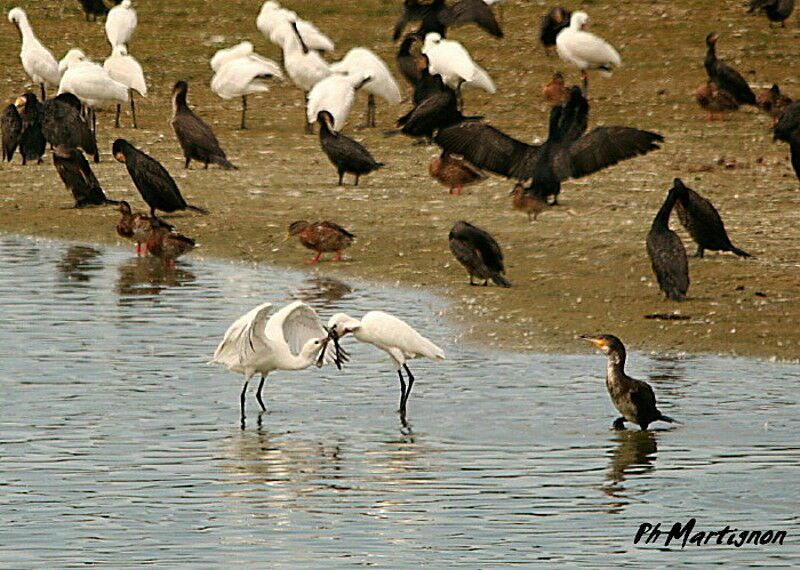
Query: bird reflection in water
x,y
149,276
633,455
78,263
322,291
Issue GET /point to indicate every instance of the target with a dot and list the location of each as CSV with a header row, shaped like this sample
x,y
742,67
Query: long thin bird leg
x,y
402,393
258,394
44,94
338,255
244,110
309,128
241,398
585,80
410,385
133,111
94,120
314,259
116,118
370,110
341,178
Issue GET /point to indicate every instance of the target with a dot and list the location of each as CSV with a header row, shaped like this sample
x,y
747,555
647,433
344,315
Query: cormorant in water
x,y
77,176
11,126
702,221
478,252
436,17
63,124
633,398
666,251
569,151
346,154
726,77
31,140
195,136
152,180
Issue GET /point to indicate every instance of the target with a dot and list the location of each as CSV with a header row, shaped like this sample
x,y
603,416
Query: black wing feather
x,y
11,125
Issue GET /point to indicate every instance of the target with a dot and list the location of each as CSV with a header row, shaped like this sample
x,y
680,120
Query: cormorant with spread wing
x,y
568,152
436,16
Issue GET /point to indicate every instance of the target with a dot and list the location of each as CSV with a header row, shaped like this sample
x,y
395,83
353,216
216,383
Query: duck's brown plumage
x,y
633,398
165,243
454,172
773,102
322,237
136,226
714,100
525,200
555,92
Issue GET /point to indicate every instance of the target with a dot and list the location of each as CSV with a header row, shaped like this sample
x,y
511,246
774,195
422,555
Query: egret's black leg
x,y
402,392
341,178
133,111
699,253
258,394
371,110
410,385
241,397
244,111
619,423
116,117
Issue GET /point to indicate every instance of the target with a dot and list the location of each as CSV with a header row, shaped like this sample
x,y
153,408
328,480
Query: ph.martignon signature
x,y
685,533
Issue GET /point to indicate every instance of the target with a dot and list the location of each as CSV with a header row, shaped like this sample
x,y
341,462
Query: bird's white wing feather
x,y
586,47
385,330
334,94
223,56
295,324
381,83
481,79
126,70
39,62
449,59
237,338
120,25
243,75
313,38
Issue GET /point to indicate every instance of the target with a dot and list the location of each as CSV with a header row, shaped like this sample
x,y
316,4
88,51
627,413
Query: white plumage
x,y
305,67
275,23
121,23
381,83
452,61
37,61
125,69
585,50
392,335
241,72
334,94
290,340
91,83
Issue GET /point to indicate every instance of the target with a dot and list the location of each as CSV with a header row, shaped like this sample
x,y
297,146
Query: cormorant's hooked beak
x,y
19,102
598,342
119,156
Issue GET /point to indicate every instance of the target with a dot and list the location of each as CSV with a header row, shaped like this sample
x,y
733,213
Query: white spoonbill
x,y
91,84
291,339
452,61
37,61
125,69
243,76
223,56
381,83
586,50
275,23
304,66
334,94
393,336
121,23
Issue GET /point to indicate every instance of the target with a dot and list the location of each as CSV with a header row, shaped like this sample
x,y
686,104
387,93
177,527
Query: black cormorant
x,y
478,252
63,124
152,180
726,77
346,154
407,61
94,8
787,130
11,126
436,16
78,177
774,10
667,254
567,153
634,399
31,140
556,19
702,221
195,136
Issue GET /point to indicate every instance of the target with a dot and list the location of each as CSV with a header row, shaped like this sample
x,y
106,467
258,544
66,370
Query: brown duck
x,y
772,102
715,101
136,227
321,237
165,243
525,200
556,92
455,172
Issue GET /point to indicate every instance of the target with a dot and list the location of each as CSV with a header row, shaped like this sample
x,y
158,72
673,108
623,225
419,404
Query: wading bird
x,y
136,227
78,178
381,83
37,61
196,138
347,155
666,251
407,61
393,336
479,253
152,180
585,50
322,237
726,77
701,219
275,23
305,67
63,124
93,8
452,61
121,23
125,69
291,339
335,94
634,399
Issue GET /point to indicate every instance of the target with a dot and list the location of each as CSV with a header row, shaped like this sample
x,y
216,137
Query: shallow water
x,y
121,446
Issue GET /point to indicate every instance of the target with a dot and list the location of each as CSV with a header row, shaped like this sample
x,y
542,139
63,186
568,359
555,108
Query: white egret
x,y
37,61
125,69
381,83
585,50
121,23
90,83
291,339
334,94
243,76
304,66
275,23
452,61
393,336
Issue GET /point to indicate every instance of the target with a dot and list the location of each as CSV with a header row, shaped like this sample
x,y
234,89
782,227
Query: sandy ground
x,y
581,268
